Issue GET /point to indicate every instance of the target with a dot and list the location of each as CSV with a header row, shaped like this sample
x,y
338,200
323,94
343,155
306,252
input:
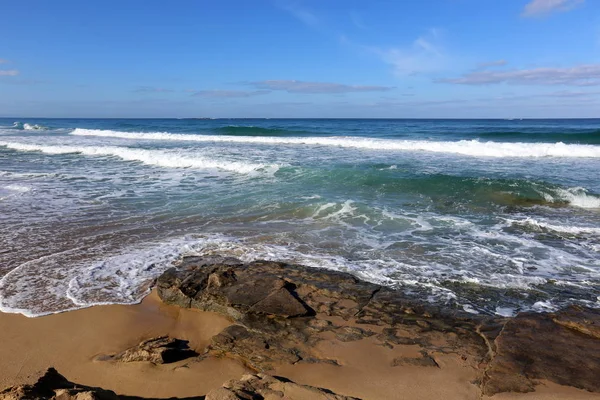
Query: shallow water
x,y
491,216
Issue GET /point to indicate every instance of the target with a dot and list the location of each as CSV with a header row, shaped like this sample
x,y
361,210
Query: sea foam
x,y
158,158
541,225
473,148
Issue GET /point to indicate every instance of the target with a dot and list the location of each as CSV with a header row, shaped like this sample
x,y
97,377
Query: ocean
x,y
489,216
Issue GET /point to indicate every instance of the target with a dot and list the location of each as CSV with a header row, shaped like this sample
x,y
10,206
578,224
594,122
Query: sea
x,y
491,217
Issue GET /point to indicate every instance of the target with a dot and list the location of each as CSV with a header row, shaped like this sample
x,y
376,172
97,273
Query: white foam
x,y
18,188
34,127
161,158
505,311
579,197
473,148
127,277
557,228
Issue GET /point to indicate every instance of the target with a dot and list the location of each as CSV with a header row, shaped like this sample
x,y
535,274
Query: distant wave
x,y
235,130
150,157
590,137
28,127
472,148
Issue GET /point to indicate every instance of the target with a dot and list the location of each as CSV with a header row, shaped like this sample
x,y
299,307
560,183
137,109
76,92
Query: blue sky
x,y
300,58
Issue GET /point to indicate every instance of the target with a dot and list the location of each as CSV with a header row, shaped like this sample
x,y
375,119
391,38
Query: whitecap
x,y
473,148
160,158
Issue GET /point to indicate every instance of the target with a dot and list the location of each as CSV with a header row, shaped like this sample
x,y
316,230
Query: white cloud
x,y
300,13
293,86
423,55
223,94
3,61
580,75
543,7
9,72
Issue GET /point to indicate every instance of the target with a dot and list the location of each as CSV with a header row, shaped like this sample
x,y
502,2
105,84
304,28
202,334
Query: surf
x,y
159,158
472,148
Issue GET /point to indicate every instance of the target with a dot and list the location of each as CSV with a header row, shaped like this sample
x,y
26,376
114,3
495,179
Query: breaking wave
x,y
474,148
158,158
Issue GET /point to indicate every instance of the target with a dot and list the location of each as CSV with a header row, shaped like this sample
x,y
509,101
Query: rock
x,y
281,303
351,334
562,347
255,387
281,311
275,304
424,361
54,386
160,350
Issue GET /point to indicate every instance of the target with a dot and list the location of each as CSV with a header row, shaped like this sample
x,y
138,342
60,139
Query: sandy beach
x,y
75,343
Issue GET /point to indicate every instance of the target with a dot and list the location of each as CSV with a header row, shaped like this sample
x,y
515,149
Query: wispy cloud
x,y
151,89
226,94
357,20
3,61
537,8
581,75
302,14
9,72
293,86
422,55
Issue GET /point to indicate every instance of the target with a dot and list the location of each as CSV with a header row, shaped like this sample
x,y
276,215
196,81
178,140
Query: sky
x,y
300,58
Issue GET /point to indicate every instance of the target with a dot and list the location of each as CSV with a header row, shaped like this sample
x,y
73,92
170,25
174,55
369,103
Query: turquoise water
x,y
490,216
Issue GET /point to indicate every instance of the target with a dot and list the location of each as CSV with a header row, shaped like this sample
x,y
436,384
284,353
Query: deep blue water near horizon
x,y
491,216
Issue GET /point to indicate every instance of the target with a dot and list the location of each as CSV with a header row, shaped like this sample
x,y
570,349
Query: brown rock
x,y
560,347
281,303
160,350
255,387
283,310
54,386
424,361
351,333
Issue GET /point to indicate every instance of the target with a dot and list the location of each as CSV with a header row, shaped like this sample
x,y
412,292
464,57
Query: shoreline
x,y
351,356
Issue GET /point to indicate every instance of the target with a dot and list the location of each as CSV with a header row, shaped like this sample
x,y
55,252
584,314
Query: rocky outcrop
x,y
54,386
562,347
281,311
160,350
261,386
275,307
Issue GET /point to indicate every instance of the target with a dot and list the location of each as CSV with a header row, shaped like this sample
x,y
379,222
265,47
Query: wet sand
x,y
71,341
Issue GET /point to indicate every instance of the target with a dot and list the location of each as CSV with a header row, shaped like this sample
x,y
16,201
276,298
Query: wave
x,y
588,137
28,127
236,130
455,192
150,157
544,226
34,127
472,148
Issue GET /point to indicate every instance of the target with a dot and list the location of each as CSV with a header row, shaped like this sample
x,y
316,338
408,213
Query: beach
x,y
77,344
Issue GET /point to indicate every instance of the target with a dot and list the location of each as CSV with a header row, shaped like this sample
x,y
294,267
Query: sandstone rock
x,y
160,350
255,387
424,361
283,310
561,347
351,333
54,386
